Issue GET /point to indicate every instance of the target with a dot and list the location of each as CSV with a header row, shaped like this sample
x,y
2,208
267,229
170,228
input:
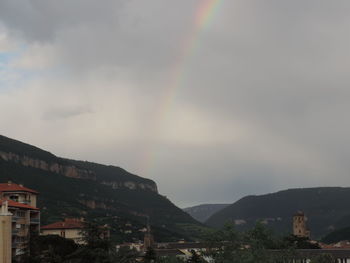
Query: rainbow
x,y
202,19
203,16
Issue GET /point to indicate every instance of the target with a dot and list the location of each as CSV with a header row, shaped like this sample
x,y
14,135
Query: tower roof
x,y
299,213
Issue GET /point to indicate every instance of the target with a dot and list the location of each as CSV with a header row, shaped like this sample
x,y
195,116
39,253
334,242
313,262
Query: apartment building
x,y
22,204
5,234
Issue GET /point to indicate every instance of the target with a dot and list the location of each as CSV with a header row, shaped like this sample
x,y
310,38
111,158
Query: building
x,y
69,228
5,234
148,241
299,225
21,203
72,228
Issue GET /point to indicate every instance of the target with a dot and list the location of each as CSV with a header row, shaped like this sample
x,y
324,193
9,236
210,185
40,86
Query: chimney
x,y
9,182
4,209
21,185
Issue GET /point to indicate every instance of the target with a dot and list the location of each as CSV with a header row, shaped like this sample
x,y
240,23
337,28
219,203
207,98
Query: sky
x,y
212,99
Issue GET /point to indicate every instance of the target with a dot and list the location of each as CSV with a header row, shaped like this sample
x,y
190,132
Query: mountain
x,y
337,236
202,212
70,188
327,208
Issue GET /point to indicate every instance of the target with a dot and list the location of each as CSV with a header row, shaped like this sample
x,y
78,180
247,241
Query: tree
x,y
224,245
172,259
255,245
323,258
300,242
48,249
96,248
150,255
126,255
195,258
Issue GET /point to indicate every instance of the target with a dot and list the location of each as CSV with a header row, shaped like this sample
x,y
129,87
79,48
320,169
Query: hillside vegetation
x,y
327,208
71,188
204,211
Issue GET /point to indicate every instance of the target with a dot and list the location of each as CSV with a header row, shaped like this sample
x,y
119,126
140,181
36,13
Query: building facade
x,y
69,228
299,225
72,228
25,219
5,234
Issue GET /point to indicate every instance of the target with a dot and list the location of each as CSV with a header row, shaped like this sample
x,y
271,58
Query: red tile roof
x,y
18,205
11,187
340,245
67,224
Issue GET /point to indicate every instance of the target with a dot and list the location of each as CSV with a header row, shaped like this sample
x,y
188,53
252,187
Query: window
x,y
14,198
63,233
21,213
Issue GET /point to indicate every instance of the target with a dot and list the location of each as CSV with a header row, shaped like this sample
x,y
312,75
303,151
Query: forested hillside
x,y
84,189
327,208
204,211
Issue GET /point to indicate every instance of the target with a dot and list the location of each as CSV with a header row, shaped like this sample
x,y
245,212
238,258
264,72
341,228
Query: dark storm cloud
x,y
264,105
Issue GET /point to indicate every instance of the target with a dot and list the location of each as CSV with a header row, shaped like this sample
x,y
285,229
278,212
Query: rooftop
x,y
11,187
18,205
68,223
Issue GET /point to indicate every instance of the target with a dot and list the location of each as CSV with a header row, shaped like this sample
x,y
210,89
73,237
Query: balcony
x,y
14,231
14,218
35,220
16,244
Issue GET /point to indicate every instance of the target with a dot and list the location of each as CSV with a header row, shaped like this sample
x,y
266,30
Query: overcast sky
x,y
263,104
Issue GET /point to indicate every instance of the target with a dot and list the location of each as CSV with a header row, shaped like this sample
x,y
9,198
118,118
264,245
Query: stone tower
x,y
5,234
148,241
299,225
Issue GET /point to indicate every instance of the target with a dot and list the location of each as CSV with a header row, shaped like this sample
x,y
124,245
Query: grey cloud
x,y
42,20
66,112
279,69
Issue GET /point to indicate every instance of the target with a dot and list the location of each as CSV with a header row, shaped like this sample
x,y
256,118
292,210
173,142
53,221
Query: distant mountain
x,y
327,208
337,235
203,212
85,189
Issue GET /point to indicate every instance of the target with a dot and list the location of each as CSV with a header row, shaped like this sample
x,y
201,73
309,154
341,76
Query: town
x,y
20,219
174,131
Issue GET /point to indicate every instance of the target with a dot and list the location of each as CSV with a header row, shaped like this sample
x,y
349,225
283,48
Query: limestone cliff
x,y
63,167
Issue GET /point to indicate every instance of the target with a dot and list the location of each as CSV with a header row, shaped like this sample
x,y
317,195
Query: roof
x,y
18,205
169,252
340,245
67,224
185,245
299,213
11,187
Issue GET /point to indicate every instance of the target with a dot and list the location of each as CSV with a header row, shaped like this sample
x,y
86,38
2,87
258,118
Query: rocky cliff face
x,y
68,171
74,172
131,185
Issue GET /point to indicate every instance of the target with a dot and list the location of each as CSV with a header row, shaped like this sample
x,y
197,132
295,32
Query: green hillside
x,y
124,209
337,235
326,208
204,211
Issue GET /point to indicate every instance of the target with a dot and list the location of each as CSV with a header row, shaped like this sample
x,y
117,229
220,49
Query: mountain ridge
x,y
33,156
326,208
203,211
70,188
